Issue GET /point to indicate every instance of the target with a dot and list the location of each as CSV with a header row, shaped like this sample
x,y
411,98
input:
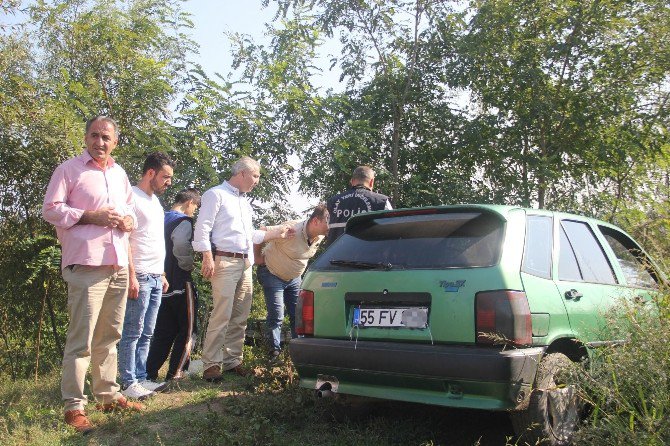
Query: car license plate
x,y
412,317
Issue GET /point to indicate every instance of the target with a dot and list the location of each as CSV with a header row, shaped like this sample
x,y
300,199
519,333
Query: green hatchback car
x,y
471,306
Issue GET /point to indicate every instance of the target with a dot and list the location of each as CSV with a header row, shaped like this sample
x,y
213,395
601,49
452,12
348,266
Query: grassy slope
x,y
266,409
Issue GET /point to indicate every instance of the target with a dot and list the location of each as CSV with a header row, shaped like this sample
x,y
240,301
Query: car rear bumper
x,y
456,376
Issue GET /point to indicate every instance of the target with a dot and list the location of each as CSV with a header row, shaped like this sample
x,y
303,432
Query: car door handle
x,y
573,294
641,300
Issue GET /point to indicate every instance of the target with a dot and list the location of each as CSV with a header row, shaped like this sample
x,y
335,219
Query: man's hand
x,y
283,231
105,216
166,285
133,287
126,224
207,269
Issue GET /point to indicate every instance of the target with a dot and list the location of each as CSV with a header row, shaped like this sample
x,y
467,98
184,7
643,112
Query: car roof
x,y
501,210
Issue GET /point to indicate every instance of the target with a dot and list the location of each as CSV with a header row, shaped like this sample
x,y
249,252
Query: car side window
x,y
636,267
591,258
537,251
568,268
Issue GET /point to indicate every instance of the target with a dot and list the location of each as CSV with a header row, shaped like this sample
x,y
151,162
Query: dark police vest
x,y
354,201
175,276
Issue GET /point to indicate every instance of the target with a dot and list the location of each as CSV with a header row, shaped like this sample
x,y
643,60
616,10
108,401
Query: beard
x,y
158,187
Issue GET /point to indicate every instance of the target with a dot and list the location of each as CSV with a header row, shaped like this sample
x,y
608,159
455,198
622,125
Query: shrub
x,y
627,386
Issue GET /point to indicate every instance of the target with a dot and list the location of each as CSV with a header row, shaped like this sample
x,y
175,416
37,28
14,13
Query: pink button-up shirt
x,y
78,185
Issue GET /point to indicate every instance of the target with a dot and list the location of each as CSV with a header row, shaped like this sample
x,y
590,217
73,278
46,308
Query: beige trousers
x,y
96,305
231,294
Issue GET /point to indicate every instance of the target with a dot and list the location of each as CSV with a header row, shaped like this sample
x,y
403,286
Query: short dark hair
x,y
156,161
320,212
187,195
106,119
363,173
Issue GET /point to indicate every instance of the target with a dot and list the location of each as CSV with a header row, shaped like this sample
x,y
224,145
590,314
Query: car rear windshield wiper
x,y
362,265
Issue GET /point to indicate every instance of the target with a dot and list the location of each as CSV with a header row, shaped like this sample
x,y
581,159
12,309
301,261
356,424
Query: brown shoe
x,y
212,374
121,404
240,371
78,420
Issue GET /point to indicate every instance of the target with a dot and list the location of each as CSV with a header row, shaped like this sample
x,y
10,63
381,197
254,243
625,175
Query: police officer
x,y
359,198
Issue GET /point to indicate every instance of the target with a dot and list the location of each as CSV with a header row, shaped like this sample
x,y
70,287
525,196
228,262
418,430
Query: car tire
x,y
554,408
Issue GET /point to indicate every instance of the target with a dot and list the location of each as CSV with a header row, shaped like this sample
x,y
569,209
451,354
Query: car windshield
x,y
441,240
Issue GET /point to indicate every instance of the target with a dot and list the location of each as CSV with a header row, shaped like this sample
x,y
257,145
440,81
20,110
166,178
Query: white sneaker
x,y
137,391
153,385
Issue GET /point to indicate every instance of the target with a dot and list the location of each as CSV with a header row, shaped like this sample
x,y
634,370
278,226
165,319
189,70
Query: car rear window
x,y
444,240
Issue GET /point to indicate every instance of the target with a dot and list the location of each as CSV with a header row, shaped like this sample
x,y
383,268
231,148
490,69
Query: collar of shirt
x,y
87,158
226,185
302,227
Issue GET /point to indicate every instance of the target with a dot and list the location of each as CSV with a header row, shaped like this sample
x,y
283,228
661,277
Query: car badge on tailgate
x,y
452,287
328,284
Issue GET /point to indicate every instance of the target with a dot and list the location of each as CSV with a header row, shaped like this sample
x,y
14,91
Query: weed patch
x,y
628,385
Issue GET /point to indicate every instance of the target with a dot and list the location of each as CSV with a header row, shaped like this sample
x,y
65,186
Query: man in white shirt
x,y
147,281
226,217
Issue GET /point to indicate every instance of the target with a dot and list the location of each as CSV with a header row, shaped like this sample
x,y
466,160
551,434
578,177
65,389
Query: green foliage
x,y
77,59
575,93
628,387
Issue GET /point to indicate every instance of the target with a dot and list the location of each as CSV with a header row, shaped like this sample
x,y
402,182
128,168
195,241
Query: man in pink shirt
x,y
89,201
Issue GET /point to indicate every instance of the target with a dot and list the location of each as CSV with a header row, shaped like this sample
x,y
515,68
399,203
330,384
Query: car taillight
x,y
503,315
304,313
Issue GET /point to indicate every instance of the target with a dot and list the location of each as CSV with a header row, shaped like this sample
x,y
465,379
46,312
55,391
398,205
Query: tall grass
x,y
628,385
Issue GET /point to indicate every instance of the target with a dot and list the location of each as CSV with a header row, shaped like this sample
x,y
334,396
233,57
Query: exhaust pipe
x,y
326,386
325,393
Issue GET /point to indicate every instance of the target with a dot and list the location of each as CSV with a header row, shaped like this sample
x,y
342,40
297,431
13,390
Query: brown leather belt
x,y
235,255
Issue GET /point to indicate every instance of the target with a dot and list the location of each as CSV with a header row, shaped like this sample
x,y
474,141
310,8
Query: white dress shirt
x,y
226,215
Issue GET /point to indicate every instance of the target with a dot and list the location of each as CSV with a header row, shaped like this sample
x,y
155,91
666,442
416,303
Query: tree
x,y
395,112
571,92
77,59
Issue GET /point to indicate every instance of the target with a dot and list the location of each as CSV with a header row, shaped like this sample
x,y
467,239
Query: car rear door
x,y
586,279
548,312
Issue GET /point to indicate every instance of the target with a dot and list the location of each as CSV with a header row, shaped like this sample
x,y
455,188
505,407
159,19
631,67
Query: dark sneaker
x,y
240,371
78,420
121,404
212,374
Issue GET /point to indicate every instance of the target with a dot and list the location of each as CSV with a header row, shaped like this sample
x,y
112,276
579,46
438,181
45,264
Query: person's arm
x,y
56,210
207,269
129,220
259,258
181,245
133,283
209,207
272,232
166,284
59,213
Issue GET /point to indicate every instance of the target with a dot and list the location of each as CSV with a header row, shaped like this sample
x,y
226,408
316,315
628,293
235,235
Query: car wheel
x,y
554,408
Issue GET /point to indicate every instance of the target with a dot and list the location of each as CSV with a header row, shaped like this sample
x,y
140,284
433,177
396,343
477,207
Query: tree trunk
x,y
395,153
52,316
3,333
39,333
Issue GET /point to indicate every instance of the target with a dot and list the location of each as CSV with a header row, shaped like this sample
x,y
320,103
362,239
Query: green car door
x,y
586,279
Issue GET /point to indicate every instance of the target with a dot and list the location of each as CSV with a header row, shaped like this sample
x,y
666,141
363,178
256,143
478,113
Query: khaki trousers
x,y
232,294
96,305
